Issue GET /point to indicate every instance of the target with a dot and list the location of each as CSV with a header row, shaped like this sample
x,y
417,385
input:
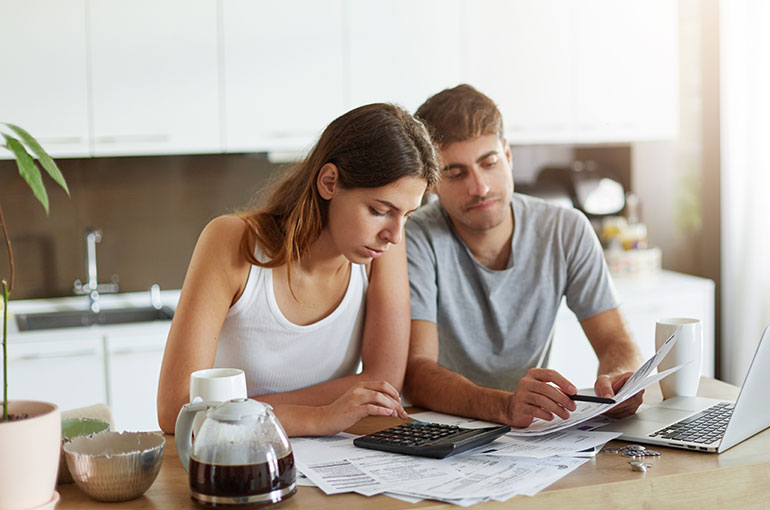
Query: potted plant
x,y
30,432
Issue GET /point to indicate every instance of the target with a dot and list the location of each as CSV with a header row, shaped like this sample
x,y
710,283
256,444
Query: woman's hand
x,y
371,398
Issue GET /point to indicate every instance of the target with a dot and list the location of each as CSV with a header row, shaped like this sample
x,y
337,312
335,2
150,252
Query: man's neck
x,y
490,247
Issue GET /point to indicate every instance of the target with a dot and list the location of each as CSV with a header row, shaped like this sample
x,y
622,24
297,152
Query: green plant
x,y
20,144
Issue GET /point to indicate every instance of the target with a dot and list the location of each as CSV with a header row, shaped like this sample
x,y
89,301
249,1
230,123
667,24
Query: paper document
x,y
587,410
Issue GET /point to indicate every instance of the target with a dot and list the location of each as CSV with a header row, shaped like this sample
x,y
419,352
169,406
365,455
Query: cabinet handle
x,y
74,354
61,140
132,139
120,352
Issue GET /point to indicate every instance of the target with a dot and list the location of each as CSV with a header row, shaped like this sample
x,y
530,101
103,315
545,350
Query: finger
x,y
383,387
386,401
620,381
554,394
603,387
547,405
552,376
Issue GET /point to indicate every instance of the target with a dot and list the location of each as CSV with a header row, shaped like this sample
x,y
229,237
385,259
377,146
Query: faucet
x,y
92,288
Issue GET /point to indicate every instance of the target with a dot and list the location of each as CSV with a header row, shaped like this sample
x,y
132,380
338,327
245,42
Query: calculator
x,y
429,439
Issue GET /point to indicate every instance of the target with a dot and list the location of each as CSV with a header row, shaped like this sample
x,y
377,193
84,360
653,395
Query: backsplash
x,y
150,210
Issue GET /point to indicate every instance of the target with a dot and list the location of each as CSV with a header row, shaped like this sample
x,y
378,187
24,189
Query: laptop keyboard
x,y
704,427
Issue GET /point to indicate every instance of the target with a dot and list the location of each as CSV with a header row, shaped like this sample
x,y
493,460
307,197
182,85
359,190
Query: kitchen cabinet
x,y
626,70
643,302
44,73
283,72
571,72
154,83
132,377
402,51
70,374
519,54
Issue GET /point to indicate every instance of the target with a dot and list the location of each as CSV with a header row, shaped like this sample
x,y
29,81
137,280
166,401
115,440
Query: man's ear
x,y
508,152
327,181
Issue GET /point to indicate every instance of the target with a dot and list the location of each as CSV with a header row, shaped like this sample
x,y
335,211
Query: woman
x,y
299,290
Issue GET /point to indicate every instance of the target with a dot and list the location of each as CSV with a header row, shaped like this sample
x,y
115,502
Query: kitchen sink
x,y
80,318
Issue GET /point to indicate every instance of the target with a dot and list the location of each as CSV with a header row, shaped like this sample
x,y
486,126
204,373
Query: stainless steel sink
x,y
79,319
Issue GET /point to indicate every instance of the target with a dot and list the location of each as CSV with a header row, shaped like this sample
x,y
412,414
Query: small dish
x,y
115,466
76,427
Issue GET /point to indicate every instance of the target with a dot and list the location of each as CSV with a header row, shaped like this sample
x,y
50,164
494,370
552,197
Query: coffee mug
x,y
687,351
216,385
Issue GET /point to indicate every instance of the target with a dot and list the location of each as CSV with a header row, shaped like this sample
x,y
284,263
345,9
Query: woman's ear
x,y
327,181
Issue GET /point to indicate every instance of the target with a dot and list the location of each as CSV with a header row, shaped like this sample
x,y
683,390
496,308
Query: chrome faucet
x,y
93,287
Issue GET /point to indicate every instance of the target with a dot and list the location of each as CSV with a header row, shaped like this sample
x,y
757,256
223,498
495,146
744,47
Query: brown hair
x,y
371,146
460,113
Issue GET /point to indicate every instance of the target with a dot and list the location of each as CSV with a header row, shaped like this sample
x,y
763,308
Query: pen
x,y
589,398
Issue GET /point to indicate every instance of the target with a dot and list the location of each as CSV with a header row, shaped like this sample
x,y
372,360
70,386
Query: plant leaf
x,y
48,163
28,169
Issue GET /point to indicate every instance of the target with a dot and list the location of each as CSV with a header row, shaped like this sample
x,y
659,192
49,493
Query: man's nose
x,y
478,185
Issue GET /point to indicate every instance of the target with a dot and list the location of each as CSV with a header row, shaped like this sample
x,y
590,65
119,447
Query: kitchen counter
x,y
680,478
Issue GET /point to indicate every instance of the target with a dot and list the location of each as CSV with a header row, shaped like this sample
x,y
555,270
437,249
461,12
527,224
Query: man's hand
x,y
536,397
609,385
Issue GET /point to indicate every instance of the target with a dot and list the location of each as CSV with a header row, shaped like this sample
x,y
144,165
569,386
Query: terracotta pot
x,y
29,455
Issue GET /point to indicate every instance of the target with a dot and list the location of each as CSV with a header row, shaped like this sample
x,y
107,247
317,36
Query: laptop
x,y
705,424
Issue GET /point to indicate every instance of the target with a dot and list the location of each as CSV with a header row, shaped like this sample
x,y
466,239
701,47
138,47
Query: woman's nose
x,y
394,232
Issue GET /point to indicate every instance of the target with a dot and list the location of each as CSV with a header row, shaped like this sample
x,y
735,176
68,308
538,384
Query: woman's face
x,y
364,222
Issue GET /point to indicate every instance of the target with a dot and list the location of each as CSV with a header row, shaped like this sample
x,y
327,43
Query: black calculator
x,y
429,439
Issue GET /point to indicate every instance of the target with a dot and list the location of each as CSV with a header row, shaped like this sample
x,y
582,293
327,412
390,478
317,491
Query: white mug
x,y
687,349
216,385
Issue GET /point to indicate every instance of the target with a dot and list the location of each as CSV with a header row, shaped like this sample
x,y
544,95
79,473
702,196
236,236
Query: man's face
x,y
476,182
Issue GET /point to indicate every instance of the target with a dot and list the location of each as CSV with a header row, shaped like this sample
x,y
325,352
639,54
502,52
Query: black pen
x,y
590,398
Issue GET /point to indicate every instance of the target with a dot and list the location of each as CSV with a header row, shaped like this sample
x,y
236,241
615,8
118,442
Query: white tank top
x,y
278,355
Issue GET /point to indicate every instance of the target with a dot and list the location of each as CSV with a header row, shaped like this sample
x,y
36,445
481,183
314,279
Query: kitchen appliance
x,y
241,456
582,186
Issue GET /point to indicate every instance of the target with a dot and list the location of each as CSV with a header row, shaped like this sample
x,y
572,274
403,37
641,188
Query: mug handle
x,y
183,429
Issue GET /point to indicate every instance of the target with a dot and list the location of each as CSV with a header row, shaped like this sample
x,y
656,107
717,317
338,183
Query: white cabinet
x,y
154,83
643,302
283,72
626,69
402,51
43,74
69,374
519,54
589,71
132,377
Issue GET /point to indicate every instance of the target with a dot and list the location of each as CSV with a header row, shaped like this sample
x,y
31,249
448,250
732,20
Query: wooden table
x,y
737,478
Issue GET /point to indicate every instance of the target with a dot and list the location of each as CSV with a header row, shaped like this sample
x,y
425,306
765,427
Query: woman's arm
x,y
215,278
385,338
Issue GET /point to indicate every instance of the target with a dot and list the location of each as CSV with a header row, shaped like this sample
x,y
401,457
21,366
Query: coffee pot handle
x,y
183,429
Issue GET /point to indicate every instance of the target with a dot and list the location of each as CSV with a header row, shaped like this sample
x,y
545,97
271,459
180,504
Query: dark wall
x,y
150,209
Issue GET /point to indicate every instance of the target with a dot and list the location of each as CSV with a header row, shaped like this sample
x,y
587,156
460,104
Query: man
x,y
488,269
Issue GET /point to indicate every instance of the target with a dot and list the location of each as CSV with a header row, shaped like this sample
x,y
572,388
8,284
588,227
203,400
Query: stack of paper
x,y
524,461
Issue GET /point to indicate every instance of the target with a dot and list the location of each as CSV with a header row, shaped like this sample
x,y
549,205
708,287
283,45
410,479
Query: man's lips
x,y
482,205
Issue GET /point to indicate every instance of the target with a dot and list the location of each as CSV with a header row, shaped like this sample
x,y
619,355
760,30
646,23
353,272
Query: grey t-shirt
x,y
493,326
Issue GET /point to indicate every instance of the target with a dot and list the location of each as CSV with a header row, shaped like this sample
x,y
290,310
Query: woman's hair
x,y
459,114
371,146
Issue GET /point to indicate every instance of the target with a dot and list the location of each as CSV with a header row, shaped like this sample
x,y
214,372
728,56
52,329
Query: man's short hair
x,y
459,114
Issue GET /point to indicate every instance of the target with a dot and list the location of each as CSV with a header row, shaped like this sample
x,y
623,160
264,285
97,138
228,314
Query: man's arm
x,y
431,386
618,357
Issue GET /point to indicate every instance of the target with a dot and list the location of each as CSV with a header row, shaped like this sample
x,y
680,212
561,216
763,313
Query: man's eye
x,y
375,212
490,162
454,173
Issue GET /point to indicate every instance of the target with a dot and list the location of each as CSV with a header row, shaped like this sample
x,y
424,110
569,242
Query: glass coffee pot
x,y
241,456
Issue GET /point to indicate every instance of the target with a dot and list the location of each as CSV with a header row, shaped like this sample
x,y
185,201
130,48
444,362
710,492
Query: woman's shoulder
x,y
222,236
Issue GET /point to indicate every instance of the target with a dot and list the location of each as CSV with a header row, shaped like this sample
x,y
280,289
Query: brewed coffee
x,y
241,481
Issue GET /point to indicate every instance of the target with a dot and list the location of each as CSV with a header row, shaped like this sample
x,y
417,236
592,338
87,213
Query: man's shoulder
x,y
539,211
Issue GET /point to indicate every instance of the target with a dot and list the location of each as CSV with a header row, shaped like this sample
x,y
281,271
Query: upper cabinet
x,y
566,71
44,73
110,77
154,81
284,74
402,51
519,53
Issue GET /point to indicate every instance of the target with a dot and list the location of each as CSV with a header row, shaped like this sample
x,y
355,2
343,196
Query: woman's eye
x,y
375,212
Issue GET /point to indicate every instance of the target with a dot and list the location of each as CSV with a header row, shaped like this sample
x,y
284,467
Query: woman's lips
x,y
373,253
